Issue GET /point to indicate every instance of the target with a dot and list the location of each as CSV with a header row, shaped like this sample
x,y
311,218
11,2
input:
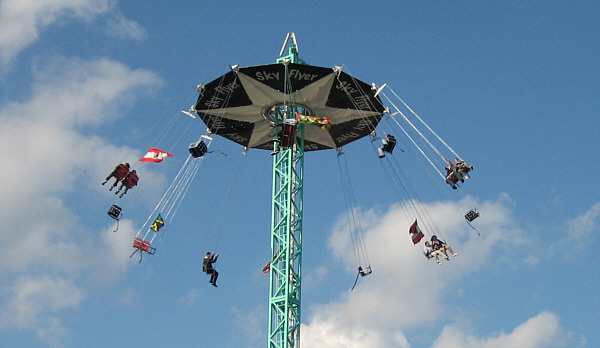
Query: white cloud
x,y
114,247
190,298
327,333
396,297
127,298
247,326
30,297
36,302
581,227
21,21
52,332
541,331
126,28
51,260
49,154
580,234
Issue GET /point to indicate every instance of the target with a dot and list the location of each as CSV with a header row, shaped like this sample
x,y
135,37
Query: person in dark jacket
x,y
207,267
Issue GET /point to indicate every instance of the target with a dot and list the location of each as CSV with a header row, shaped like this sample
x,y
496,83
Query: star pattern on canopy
x,y
246,120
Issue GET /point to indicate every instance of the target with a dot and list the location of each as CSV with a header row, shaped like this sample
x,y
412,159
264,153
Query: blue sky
x,y
513,87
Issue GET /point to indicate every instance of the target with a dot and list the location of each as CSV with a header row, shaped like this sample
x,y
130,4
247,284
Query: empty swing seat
x,y
364,271
472,215
198,149
143,246
114,212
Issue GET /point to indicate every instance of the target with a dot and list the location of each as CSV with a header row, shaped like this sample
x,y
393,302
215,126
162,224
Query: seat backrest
x,y
198,149
114,212
472,215
121,171
391,143
131,180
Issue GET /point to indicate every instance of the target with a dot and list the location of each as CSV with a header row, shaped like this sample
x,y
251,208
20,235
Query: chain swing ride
x,y
290,108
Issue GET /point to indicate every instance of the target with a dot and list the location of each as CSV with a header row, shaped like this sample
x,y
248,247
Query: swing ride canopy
x,y
239,104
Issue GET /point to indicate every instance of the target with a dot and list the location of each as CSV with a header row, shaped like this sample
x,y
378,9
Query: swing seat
x,y
130,180
120,172
198,149
472,215
289,133
364,271
143,246
114,212
390,145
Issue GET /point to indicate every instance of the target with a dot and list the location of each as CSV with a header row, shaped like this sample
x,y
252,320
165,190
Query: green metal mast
x,y
286,225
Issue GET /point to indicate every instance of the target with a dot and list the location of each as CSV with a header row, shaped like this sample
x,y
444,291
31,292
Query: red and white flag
x,y
267,268
155,155
416,232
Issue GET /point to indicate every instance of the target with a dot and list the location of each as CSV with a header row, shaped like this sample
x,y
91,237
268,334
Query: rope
x,y
219,115
240,166
354,224
396,175
393,174
413,207
171,200
355,103
414,127
425,124
173,196
438,183
163,135
418,147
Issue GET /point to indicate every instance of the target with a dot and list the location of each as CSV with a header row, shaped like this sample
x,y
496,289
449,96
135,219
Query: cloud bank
x,y
22,22
48,253
405,287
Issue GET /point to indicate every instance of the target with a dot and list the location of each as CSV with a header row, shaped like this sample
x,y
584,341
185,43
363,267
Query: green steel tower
x,y
286,225
289,107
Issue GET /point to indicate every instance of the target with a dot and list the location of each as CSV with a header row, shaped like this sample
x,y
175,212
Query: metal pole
x,y
286,232
286,245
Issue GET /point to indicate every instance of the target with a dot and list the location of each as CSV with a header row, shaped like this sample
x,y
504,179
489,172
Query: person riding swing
x,y
119,173
207,267
388,144
438,244
128,182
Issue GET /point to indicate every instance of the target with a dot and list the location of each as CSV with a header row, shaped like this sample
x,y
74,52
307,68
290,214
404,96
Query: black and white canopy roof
x,y
237,105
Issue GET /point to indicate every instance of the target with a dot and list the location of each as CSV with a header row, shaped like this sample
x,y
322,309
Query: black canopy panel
x,y
237,105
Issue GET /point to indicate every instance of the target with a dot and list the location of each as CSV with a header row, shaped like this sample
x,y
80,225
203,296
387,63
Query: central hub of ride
x,y
282,111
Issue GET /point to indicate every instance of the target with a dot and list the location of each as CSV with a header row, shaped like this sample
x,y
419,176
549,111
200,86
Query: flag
x,y
267,268
416,232
155,155
324,122
158,223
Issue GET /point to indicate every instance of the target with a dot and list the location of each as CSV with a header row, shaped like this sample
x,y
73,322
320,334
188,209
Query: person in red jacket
x,y
119,173
130,181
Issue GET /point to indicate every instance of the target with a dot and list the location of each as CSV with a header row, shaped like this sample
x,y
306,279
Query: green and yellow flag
x,y
158,223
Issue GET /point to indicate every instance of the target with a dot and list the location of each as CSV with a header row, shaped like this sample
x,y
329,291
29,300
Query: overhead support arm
x,y
377,89
292,56
287,38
